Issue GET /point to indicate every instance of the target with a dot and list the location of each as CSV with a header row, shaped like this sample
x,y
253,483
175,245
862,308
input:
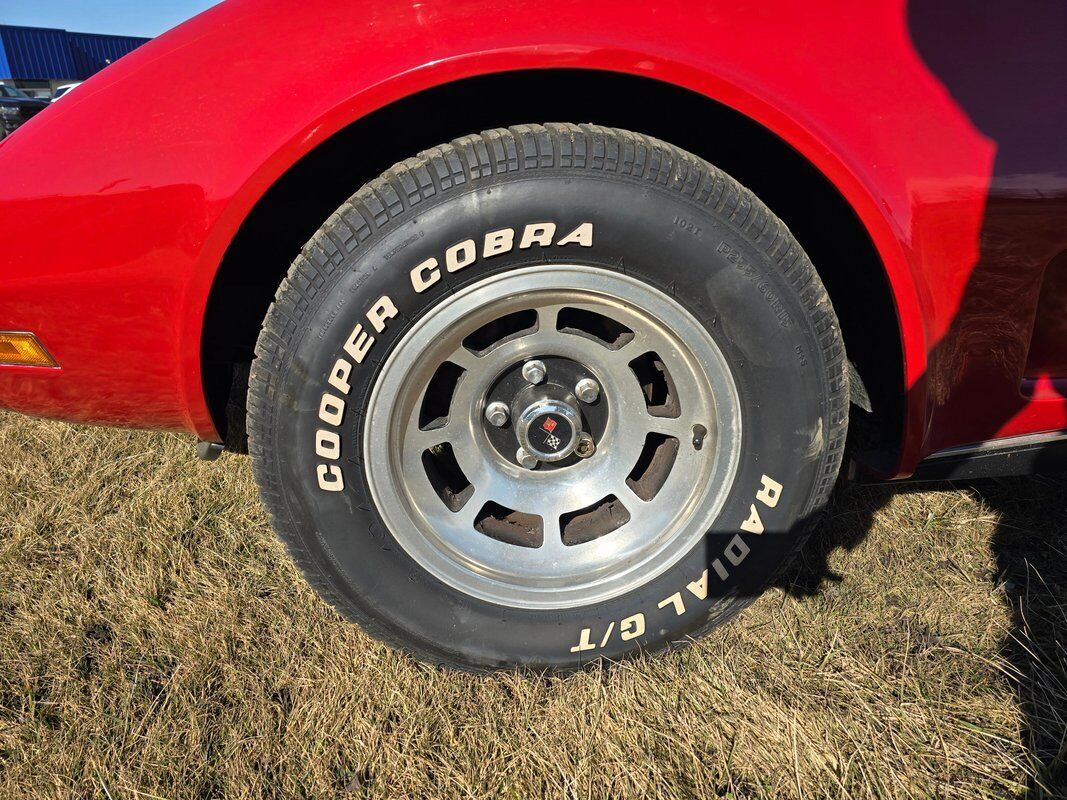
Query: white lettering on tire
x,y
495,243
734,553
359,344
582,235
537,233
331,409
424,275
381,312
330,478
460,255
498,242
339,376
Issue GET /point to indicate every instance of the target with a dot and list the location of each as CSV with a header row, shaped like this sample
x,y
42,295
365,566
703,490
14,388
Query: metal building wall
x,y
91,52
36,54
42,54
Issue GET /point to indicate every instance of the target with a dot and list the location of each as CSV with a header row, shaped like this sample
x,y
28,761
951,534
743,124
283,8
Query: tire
x,y
606,255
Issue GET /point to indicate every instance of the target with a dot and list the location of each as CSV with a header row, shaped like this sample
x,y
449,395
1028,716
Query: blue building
x,y
37,60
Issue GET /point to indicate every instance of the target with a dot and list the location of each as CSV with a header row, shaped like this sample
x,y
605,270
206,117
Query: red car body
x,y
127,196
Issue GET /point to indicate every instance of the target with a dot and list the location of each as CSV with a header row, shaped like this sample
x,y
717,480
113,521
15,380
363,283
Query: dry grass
x,y
154,642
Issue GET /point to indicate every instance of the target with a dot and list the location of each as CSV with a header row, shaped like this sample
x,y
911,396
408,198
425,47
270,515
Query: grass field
x,y
155,642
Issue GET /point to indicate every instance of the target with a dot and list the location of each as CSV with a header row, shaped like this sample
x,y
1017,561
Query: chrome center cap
x,y
549,429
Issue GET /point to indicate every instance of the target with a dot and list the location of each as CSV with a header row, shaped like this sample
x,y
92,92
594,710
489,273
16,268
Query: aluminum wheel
x,y
552,437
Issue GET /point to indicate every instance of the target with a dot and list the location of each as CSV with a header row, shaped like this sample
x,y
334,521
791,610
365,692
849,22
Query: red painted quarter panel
x,y
125,196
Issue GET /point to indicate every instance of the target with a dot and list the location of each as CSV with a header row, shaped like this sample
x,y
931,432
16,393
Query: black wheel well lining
x,y
298,203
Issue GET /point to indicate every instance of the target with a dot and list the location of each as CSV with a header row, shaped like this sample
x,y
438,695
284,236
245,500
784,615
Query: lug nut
x,y
534,371
497,414
526,460
587,390
585,447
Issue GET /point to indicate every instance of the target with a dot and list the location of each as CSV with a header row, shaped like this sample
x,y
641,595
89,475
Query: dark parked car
x,y
16,107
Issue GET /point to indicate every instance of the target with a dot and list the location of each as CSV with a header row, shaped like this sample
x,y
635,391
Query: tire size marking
x,y
763,286
770,492
327,441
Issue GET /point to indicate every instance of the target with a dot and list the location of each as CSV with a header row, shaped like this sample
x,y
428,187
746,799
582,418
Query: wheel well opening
x,y
292,210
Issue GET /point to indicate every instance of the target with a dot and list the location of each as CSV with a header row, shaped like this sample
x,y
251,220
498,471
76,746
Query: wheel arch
x,y
851,242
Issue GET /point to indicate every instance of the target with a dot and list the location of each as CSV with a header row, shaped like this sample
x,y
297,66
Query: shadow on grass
x,y
1029,545
1031,553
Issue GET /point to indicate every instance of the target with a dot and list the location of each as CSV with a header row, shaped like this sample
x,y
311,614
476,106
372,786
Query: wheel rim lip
x,y
388,406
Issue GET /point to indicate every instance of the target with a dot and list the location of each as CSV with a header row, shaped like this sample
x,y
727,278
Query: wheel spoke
x,y
470,458
629,499
679,428
547,318
424,440
552,545
466,516
462,357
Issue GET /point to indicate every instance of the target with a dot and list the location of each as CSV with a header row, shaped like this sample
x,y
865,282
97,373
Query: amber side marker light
x,y
19,349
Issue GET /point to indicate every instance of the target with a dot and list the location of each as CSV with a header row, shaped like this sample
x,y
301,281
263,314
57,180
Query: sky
x,y
123,17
